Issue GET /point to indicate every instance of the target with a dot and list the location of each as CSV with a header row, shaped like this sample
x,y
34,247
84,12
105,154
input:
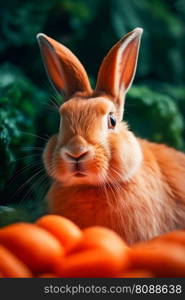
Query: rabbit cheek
x,y
48,155
54,165
133,158
61,170
126,157
100,164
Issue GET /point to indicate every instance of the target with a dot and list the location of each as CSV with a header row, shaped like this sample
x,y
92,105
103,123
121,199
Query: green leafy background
x,y
155,105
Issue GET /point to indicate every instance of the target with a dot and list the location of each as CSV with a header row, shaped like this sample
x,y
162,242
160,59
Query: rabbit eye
x,y
111,121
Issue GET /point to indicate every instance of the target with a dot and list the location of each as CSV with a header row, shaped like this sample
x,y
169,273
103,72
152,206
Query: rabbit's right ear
x,y
118,68
64,70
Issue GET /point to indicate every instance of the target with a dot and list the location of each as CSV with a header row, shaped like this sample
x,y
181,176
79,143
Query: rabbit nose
x,y
77,156
76,149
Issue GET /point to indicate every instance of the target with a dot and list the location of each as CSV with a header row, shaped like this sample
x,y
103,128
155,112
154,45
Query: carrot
x,y
63,229
177,237
137,273
101,237
37,248
163,259
111,248
89,263
11,266
47,275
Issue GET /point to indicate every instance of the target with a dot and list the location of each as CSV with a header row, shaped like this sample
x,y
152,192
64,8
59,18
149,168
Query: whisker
x,y
27,156
55,104
32,148
37,184
34,135
54,95
27,181
51,107
23,170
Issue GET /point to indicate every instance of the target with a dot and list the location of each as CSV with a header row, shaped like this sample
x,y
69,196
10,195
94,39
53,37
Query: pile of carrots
x,y
56,247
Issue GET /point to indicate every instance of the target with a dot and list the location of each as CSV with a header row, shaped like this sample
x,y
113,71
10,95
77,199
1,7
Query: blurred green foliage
x,y
17,117
154,105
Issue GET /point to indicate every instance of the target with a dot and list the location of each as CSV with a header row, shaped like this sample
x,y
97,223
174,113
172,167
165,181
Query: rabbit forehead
x,y
98,105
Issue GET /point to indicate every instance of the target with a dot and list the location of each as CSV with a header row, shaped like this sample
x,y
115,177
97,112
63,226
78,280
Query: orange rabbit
x,y
102,174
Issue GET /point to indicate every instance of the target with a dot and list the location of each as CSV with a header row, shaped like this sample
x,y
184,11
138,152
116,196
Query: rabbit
x,y
102,174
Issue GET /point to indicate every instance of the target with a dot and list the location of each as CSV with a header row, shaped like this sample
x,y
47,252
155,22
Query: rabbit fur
x,y
102,174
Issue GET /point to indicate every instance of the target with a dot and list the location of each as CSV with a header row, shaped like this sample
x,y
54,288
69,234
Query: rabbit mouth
x,y
78,170
77,167
79,174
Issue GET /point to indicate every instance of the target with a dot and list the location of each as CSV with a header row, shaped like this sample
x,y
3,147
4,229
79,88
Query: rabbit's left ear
x,y
64,70
118,68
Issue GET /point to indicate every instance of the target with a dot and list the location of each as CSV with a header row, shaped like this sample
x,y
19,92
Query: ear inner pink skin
x,y
101,175
64,70
118,68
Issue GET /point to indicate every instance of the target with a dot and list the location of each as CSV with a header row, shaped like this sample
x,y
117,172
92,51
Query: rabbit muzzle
x,y
76,155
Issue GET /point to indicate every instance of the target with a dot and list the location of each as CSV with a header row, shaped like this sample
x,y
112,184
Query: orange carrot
x,y
47,275
89,263
176,237
111,248
63,229
101,237
37,248
163,259
137,273
11,266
